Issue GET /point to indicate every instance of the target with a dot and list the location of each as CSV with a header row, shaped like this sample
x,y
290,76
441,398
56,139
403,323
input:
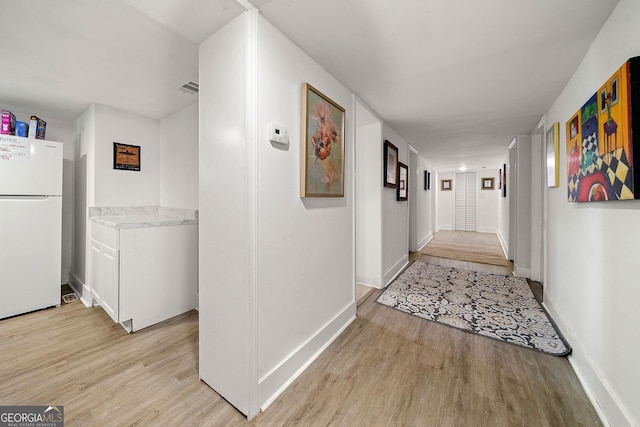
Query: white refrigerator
x,y
30,224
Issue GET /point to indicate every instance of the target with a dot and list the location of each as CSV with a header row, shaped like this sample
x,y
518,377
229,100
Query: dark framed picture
x,y
504,180
488,183
499,179
427,180
445,185
403,182
390,165
322,162
126,157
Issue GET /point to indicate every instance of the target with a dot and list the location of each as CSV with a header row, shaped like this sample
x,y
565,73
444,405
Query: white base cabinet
x,y
142,276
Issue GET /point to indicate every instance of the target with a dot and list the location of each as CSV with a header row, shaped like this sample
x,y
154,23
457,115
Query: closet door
x,y
460,188
466,201
471,205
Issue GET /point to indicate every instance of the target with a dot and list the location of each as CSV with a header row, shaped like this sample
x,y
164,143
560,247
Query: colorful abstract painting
x,y
600,141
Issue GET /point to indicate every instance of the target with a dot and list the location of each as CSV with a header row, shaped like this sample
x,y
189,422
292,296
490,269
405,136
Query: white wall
x,y
98,184
488,207
276,271
521,189
395,217
591,286
503,209
305,246
227,341
115,187
179,159
445,202
369,189
84,161
424,203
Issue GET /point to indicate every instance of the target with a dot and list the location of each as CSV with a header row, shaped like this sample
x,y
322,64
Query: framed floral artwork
x,y
322,152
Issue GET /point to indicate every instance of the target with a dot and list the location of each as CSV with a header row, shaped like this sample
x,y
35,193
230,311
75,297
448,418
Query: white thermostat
x,y
278,134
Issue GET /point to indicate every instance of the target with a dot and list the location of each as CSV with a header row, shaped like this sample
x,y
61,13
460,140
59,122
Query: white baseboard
x,y
604,400
393,272
274,382
81,289
505,247
369,285
521,271
422,243
487,230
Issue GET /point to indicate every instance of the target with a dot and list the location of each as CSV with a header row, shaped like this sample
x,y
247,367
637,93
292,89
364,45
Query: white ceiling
x,y
457,79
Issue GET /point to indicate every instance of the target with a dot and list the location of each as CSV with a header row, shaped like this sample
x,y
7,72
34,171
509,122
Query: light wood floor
x,y
387,369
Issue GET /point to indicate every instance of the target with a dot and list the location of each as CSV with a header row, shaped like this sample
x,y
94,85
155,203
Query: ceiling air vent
x,y
190,87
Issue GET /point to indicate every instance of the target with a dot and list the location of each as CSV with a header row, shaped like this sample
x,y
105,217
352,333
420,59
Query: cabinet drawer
x,y
105,235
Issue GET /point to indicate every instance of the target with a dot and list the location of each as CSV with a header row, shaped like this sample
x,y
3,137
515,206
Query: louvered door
x,y
466,201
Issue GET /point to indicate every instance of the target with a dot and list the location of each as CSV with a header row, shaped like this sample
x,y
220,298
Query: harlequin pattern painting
x,y
600,140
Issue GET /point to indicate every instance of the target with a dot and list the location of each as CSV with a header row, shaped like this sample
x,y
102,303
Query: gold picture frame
x,y
553,156
322,153
488,183
445,185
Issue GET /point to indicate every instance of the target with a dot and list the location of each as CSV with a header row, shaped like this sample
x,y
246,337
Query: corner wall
x,y
423,203
395,218
179,159
591,286
276,270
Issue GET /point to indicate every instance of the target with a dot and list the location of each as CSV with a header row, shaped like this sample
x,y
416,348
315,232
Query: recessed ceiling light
x,y
463,168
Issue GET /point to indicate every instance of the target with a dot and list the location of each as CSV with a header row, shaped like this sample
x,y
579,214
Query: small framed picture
x,y
126,157
445,185
427,175
488,183
390,165
553,156
403,182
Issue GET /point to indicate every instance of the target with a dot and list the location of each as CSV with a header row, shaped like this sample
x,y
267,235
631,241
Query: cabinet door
x,y
110,281
96,271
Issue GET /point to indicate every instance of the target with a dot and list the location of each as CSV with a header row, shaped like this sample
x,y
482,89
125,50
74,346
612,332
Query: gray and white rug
x,y
499,307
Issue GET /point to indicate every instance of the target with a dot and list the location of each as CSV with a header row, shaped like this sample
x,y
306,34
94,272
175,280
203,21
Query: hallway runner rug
x,y
494,306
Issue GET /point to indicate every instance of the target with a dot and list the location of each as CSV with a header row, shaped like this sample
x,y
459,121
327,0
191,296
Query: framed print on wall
x,y
403,182
126,157
427,180
322,162
487,183
390,165
445,185
553,156
504,180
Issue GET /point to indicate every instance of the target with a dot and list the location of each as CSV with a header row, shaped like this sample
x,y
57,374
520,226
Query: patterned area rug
x,y
499,307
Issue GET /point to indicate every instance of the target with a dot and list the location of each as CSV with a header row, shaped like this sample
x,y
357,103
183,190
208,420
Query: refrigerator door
x,y
30,253
30,166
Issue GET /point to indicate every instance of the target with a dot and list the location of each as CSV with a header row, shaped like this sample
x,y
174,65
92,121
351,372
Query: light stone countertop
x,y
142,216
